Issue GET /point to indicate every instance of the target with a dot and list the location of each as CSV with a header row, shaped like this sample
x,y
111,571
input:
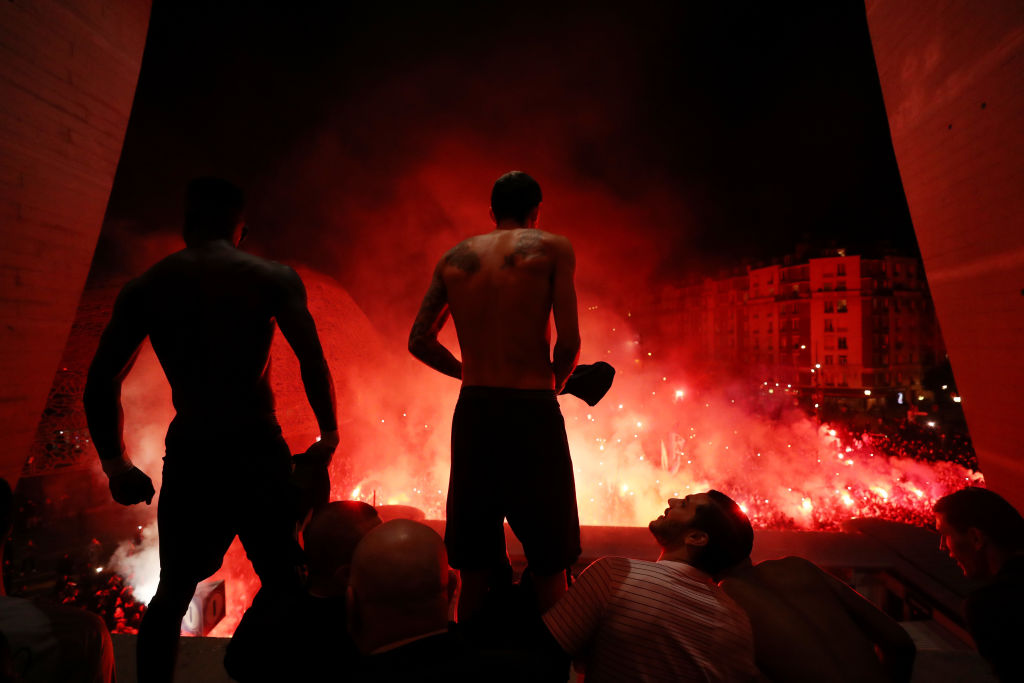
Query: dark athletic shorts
x,y
510,459
218,486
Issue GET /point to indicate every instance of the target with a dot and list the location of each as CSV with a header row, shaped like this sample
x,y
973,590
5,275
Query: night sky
x,y
671,139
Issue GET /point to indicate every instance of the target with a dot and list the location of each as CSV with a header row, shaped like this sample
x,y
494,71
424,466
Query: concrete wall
x,y
952,74
68,71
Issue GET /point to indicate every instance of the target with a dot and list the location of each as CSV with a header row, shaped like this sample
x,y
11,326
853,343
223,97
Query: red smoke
x,y
654,436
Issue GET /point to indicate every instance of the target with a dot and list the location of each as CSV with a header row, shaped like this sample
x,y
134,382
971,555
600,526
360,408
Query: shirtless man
x,y
510,457
209,311
810,626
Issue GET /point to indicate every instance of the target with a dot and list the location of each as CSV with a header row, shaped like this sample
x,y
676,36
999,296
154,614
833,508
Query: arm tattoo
x,y
463,257
423,341
528,244
433,302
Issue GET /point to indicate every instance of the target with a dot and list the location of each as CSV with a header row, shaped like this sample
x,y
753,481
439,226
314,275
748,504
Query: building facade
x,y
834,326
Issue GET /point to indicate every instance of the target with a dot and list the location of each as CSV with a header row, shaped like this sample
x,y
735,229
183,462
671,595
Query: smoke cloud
x,y
667,141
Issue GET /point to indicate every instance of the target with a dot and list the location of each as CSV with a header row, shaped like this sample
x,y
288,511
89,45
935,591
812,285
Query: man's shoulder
x,y
463,255
553,236
271,268
615,562
188,259
618,569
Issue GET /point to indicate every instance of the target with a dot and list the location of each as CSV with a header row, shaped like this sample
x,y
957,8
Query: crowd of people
x,y
910,439
702,611
358,599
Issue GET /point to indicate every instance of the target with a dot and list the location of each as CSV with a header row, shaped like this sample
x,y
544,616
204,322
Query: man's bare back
x,y
501,289
209,312
809,626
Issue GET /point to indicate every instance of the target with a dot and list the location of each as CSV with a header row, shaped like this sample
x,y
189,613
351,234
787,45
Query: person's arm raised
x,y
299,331
118,349
563,306
432,316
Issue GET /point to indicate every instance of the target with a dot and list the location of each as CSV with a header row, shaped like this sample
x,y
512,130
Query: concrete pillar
x,y
952,75
68,70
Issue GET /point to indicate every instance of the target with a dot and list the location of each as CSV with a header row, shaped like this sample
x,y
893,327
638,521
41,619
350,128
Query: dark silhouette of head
x,y
514,196
978,528
330,539
708,529
400,585
213,210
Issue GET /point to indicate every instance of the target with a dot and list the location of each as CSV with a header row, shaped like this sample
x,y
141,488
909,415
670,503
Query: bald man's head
x,y
400,562
399,586
331,536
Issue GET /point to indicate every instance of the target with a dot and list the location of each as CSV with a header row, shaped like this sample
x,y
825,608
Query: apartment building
x,y
835,326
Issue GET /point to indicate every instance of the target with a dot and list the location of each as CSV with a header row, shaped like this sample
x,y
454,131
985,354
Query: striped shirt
x,y
631,620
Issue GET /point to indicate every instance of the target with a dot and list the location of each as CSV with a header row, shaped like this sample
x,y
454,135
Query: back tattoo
x,y
463,257
528,244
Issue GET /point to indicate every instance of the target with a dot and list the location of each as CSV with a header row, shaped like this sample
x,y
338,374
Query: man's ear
x,y
490,212
696,538
453,584
977,537
531,218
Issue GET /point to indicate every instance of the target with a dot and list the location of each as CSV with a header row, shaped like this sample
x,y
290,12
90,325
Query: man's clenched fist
x,y
131,487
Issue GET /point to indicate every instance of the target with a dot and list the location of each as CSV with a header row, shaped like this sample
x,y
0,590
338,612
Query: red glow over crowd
x,y
654,436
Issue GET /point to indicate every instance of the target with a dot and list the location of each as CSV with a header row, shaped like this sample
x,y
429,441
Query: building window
x,y
842,342
829,327
842,306
829,307
828,359
842,360
841,269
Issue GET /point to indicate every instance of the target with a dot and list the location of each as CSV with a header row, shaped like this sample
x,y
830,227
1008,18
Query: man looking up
x,y
985,535
667,620
510,457
209,311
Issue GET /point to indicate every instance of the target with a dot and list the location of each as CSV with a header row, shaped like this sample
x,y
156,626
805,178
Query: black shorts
x,y
510,459
218,486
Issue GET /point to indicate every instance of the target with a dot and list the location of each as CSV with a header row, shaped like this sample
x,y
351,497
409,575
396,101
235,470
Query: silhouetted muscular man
x,y
209,311
510,457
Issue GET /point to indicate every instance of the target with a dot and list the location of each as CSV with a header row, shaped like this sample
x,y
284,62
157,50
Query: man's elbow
x,y
418,345
567,346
